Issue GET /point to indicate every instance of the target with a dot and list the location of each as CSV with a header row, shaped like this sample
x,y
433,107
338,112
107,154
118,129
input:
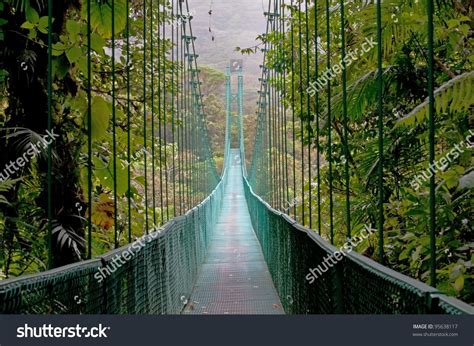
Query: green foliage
x,y
456,95
5,186
405,109
70,109
101,16
101,113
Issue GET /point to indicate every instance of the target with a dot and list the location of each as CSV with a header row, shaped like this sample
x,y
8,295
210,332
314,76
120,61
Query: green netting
x,y
158,278
355,285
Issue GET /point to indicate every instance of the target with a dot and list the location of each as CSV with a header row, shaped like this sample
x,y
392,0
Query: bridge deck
x,y
234,278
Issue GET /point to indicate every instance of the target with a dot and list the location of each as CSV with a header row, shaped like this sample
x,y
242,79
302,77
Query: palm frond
x,y
5,186
23,5
361,94
23,139
66,236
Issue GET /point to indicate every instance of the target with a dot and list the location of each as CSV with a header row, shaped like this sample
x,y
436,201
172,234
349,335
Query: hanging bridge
x,y
210,243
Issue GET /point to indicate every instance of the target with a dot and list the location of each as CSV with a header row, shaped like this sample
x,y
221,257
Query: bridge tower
x,y
235,68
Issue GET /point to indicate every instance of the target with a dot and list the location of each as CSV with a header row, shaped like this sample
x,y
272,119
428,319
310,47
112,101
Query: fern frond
x,y
453,96
361,94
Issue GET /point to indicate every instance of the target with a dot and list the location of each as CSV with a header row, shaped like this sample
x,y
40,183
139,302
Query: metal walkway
x,y
234,278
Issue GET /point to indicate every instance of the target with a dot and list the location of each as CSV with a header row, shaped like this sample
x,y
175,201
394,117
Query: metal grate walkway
x,y
234,278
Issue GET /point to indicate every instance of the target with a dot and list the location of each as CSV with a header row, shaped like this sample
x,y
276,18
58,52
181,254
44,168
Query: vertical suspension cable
x,y
161,90
145,147
49,125
271,115
268,136
345,120
180,105
153,136
309,117
175,18
318,129
431,136
270,112
301,113
276,150
89,133
278,123
165,116
191,126
281,179
380,132
129,152
292,29
285,128
114,131
263,140
192,138
329,124
186,127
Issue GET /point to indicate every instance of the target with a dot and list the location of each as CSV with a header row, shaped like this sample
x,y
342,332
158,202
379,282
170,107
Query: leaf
x,y
103,211
101,16
58,49
60,67
73,27
79,102
82,64
43,25
67,236
43,22
459,283
403,255
32,34
73,54
27,25
97,43
31,15
100,118
121,177
106,175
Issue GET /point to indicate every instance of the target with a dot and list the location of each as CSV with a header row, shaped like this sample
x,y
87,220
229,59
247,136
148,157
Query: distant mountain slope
x,y
233,24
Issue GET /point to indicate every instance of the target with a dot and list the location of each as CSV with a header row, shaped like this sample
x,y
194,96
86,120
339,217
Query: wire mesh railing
x,y
351,284
153,275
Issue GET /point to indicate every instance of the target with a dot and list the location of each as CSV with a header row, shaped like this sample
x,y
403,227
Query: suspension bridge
x,y
212,242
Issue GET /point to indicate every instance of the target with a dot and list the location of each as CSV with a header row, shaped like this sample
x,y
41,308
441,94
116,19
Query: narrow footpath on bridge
x,y
234,278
